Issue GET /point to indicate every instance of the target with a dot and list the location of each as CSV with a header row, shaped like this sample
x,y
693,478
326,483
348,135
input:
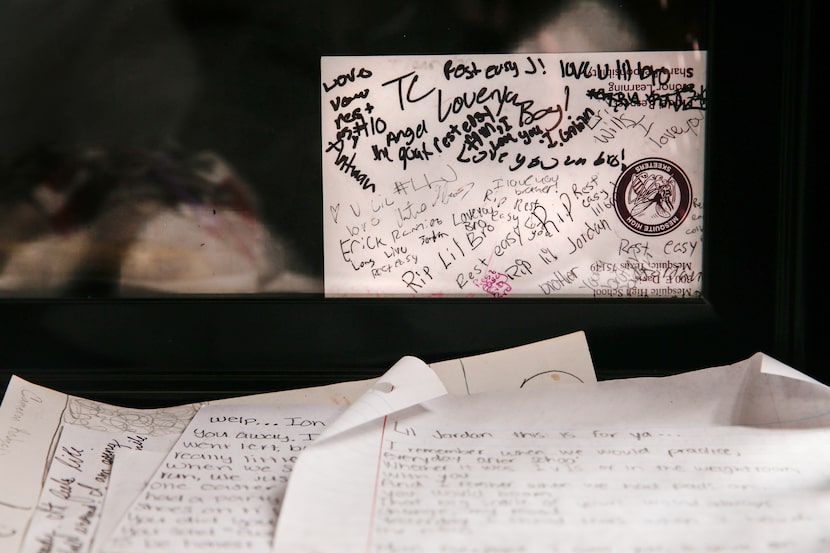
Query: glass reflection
x,y
161,147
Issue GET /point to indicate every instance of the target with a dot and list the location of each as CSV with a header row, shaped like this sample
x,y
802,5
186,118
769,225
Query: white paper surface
x,y
408,382
131,472
221,486
727,459
514,175
561,360
32,416
773,366
72,499
28,427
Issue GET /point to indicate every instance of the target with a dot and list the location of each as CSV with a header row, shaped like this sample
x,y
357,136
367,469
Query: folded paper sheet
x,y
221,486
725,459
72,499
131,472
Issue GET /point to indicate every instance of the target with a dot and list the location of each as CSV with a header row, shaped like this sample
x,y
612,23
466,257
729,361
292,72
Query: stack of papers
x,y
520,450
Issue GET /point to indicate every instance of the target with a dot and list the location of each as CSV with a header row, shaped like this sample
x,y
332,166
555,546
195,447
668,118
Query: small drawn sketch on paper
x,y
150,422
546,377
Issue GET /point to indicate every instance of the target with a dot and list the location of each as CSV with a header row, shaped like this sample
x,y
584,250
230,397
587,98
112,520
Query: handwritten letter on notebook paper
x,y
220,487
641,466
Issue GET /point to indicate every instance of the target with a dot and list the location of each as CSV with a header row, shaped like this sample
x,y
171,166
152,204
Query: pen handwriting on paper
x,y
149,422
457,481
623,69
221,485
446,174
16,433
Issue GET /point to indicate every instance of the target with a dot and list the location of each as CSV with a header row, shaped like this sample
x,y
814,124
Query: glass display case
x,y
181,202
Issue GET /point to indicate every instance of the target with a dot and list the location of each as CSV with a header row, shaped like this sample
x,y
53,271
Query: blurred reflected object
x,y
92,72
99,223
105,211
584,26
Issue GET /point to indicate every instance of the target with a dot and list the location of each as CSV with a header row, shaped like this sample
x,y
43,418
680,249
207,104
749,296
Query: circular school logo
x,y
652,196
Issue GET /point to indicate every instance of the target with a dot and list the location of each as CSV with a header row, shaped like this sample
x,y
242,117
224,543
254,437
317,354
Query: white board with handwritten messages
x,y
514,175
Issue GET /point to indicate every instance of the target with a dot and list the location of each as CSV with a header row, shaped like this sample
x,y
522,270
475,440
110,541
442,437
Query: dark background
x,y
242,78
